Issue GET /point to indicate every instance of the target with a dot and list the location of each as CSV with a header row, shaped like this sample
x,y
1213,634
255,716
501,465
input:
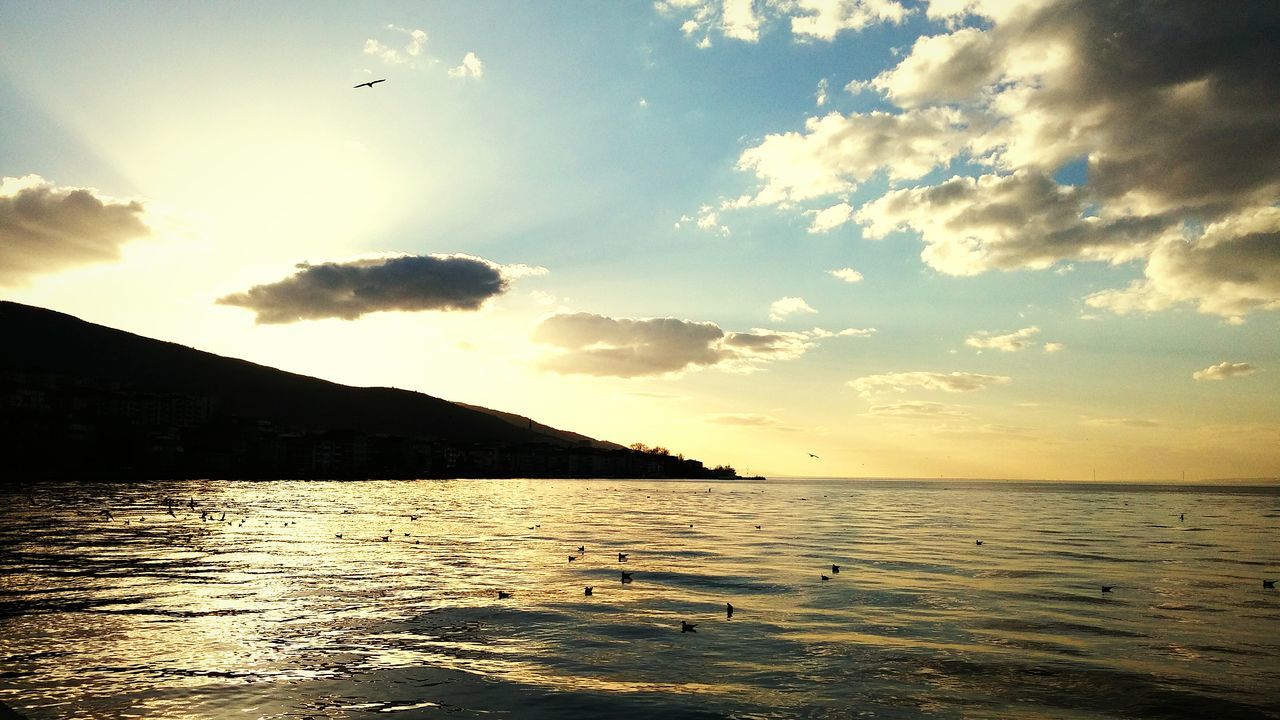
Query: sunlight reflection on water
x,y
269,613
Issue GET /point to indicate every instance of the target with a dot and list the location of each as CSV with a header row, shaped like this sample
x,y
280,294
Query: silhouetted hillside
x,y
79,399
52,342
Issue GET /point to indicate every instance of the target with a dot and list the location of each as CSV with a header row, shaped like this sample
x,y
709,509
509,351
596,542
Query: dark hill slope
x,y
40,340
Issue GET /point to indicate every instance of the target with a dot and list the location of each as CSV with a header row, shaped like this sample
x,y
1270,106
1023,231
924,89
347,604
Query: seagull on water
x,y
622,557
369,84
977,542
687,626
626,578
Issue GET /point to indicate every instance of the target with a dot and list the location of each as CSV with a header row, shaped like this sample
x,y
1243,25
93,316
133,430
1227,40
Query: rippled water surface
x,y
267,613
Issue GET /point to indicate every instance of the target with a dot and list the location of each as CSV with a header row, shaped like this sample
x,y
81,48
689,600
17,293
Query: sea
x,y
380,599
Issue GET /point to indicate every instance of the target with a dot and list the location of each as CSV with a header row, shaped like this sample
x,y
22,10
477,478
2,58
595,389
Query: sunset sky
x,y
967,238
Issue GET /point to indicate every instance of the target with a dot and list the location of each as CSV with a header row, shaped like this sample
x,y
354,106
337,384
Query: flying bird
x,y
814,456
369,84
687,626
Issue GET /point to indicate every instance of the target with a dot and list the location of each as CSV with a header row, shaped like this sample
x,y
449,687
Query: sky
x,y
959,238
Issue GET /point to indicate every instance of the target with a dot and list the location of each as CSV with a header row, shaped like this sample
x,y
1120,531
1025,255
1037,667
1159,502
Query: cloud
x,y
1012,342
848,275
409,283
44,228
1171,106
1053,347
1007,222
836,152
589,344
871,385
820,95
782,307
766,422
470,67
918,410
1233,268
825,19
1224,370
808,20
830,218
1123,422
398,55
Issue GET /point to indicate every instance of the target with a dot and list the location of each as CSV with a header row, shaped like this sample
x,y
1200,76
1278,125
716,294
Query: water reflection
x,y
354,599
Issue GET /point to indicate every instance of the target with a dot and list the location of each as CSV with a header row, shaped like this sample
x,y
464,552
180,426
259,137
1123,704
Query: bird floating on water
x,y
503,595
835,569
728,611
687,626
587,590
622,557
1107,588
626,578
757,527
977,542
572,558
1269,584
369,84
824,578
582,548
338,535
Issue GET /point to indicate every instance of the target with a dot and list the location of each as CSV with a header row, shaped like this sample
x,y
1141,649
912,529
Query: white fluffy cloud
x,y
831,218
808,20
848,275
398,54
786,306
1224,370
471,67
45,228
836,152
1171,105
1010,342
872,385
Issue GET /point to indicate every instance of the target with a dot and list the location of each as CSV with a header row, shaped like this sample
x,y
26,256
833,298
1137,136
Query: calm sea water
x,y
268,614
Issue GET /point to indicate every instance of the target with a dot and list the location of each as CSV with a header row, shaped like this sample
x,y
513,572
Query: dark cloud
x,y
45,228
1170,104
591,344
351,289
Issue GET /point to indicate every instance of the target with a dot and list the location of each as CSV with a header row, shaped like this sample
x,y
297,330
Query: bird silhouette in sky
x,y
369,84
815,457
